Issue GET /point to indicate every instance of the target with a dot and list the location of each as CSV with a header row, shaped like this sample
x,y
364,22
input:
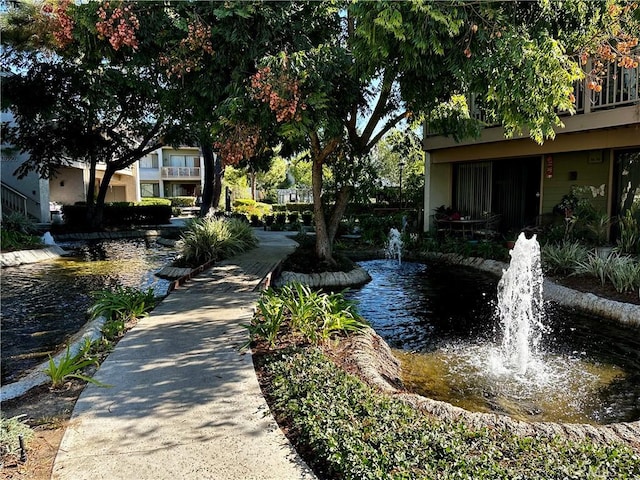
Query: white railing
x,y
620,86
13,201
180,172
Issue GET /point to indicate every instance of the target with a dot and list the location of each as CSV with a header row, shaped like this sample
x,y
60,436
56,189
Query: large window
x,y
182,161
473,188
149,190
149,161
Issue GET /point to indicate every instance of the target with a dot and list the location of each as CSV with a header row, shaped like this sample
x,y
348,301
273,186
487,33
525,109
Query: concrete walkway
x,y
184,402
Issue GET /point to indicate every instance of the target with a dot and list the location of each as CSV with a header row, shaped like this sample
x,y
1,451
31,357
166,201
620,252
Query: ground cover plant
x,y
345,429
313,316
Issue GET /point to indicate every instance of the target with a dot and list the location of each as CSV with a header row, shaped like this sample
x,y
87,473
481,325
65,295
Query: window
x,y
182,161
149,161
149,190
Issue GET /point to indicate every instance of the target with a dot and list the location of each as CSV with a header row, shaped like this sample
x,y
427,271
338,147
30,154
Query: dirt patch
x,y
47,412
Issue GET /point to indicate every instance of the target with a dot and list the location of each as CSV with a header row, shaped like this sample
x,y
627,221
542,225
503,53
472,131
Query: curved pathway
x,y
184,401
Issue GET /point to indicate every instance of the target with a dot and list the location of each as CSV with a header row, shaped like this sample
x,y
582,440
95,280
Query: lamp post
x,y
401,165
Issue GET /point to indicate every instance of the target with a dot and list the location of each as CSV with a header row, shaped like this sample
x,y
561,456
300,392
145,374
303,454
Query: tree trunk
x,y
91,191
324,245
98,212
217,181
209,177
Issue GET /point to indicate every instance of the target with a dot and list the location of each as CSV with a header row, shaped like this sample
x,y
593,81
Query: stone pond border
x,y
378,366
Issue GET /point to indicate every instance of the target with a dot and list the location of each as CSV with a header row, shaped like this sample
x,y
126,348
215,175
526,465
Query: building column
x,y
427,192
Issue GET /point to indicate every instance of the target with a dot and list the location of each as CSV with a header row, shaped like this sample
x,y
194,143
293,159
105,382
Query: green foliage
x,y
250,207
593,265
12,240
623,272
11,429
155,201
350,431
119,306
215,238
629,240
70,366
317,316
16,222
563,258
182,201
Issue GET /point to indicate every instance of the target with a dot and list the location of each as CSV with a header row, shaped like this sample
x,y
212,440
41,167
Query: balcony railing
x,y
180,172
620,87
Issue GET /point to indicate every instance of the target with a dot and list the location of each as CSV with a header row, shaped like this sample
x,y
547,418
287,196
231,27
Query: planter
x,y
604,252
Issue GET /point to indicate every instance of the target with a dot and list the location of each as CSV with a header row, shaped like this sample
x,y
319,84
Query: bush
x,y
119,215
183,201
17,222
154,201
213,239
623,272
563,258
350,431
317,316
250,207
11,240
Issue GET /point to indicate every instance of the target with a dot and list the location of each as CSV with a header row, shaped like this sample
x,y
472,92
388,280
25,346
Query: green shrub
x,y
69,366
12,240
317,316
183,201
122,303
629,239
16,222
250,207
119,215
213,239
563,258
623,272
593,265
154,201
350,431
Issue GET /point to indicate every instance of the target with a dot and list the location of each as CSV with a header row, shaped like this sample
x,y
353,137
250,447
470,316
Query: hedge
x,y
119,215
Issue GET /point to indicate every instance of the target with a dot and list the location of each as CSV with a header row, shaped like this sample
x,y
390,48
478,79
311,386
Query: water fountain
x,y
47,239
394,245
520,310
514,355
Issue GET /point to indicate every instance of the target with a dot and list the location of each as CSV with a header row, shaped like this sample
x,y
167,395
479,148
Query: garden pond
x,y
441,321
45,303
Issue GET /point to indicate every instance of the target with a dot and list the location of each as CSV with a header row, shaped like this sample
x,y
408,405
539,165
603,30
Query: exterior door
x,y
516,187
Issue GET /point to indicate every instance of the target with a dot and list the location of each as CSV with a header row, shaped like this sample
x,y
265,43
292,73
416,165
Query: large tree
x,y
79,91
394,60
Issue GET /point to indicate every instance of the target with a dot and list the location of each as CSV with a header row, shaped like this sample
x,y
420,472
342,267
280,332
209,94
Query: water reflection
x,y
441,319
45,303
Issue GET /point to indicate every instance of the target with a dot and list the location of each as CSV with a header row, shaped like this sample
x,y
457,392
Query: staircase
x,y
12,201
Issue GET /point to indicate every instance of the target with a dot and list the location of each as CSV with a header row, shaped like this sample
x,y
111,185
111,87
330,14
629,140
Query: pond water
x,y
44,303
441,321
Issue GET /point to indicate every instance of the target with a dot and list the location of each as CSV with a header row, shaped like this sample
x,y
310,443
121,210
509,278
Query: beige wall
x,y
592,169
68,186
122,188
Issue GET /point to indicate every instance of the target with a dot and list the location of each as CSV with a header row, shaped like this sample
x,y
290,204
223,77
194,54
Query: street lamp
x,y
401,165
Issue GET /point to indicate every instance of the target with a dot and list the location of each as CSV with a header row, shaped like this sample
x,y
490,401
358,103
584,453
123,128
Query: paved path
x,y
184,402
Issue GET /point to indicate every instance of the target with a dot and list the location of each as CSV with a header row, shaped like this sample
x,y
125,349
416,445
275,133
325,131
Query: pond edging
x,y
24,257
626,313
368,351
91,330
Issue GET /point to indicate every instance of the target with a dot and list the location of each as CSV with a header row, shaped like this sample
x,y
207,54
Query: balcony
x,y
180,172
619,87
